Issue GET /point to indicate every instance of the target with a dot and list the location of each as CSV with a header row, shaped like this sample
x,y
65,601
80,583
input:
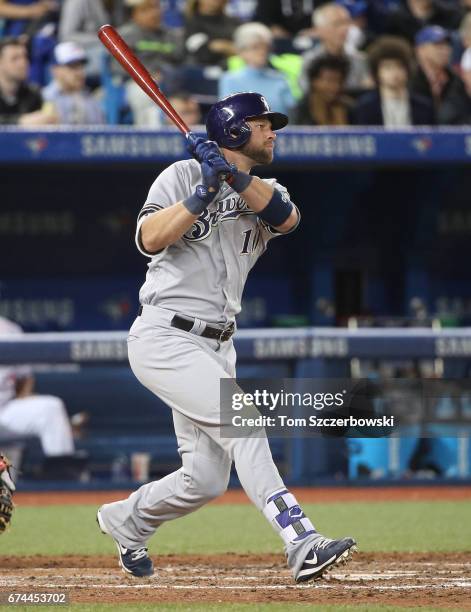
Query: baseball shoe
x,y
135,563
324,554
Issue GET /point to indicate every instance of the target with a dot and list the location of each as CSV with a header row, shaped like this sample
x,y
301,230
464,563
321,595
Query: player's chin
x,y
265,156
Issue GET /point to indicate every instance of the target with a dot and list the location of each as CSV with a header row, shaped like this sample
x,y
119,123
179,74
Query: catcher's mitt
x,y
6,493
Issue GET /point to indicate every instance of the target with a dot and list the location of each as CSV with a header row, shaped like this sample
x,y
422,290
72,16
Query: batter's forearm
x,y
165,227
258,194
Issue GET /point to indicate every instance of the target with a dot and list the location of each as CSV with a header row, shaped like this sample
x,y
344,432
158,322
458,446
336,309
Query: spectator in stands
x,y
358,36
391,104
187,107
147,114
37,22
159,49
465,62
434,79
156,47
326,103
209,32
80,21
24,17
332,23
285,18
413,15
253,43
20,102
67,92
23,412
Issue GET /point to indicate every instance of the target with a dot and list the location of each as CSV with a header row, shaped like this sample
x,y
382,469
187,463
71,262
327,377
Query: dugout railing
x,y
89,370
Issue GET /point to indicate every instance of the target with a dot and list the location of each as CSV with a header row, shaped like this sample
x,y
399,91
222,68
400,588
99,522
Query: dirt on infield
x,y
440,580
237,496
419,580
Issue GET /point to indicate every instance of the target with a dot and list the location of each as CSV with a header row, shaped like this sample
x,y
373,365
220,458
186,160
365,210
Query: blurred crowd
x,y
391,63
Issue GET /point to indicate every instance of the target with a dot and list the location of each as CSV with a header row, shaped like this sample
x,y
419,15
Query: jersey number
x,y
250,244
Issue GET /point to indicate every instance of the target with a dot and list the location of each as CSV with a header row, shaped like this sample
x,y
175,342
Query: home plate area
x,y
440,579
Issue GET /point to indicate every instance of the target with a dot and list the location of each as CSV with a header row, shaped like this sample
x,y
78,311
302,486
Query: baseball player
x,y
203,235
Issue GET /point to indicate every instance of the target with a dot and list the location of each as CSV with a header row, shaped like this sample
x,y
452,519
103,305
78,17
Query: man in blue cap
x,y
435,80
67,92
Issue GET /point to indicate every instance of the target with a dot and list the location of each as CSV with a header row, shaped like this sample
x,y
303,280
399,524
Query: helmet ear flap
x,y
239,134
234,132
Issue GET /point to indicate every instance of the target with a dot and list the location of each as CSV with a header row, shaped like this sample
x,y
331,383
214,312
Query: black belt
x,y
186,324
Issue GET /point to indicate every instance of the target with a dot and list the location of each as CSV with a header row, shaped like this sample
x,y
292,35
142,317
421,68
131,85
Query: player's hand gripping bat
x,y
134,67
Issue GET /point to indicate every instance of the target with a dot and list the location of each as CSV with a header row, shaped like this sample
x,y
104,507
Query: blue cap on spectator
x,y
354,7
431,34
69,53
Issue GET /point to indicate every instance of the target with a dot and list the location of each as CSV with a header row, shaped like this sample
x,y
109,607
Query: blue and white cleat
x,y
324,554
135,563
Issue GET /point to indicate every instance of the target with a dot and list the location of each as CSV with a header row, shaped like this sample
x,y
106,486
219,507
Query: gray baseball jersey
x,y
203,274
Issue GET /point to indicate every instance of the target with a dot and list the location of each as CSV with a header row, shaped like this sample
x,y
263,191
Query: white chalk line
x,y
347,576
448,563
157,586
344,581
337,580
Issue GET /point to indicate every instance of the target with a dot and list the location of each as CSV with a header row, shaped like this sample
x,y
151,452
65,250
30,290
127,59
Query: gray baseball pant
x,y
184,370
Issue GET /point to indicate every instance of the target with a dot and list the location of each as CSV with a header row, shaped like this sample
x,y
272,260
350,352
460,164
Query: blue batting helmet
x,y
226,121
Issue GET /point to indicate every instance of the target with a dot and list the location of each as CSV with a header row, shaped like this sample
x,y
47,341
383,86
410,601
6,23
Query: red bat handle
x,y
134,67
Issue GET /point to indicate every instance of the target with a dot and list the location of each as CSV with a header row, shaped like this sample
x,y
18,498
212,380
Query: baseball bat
x,y
134,67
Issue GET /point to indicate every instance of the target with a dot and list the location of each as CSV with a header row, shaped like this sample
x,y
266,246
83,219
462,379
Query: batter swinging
x,y
203,236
